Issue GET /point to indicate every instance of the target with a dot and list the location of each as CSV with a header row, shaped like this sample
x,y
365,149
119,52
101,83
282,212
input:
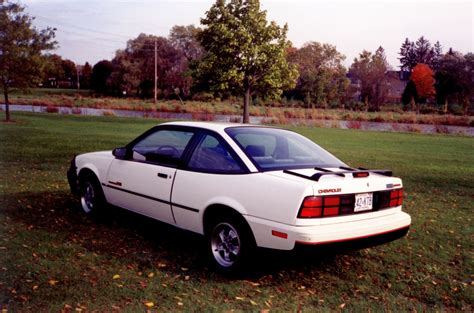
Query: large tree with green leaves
x,y
21,47
244,53
322,75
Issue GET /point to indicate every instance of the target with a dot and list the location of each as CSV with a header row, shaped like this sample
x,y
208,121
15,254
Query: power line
x,y
90,29
87,37
80,27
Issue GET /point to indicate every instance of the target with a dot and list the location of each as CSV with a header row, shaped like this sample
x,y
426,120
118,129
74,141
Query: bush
x,y
354,124
414,128
51,109
456,109
428,109
441,129
356,106
108,113
203,96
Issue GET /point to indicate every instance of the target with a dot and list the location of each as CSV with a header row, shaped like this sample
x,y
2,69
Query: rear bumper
x,y
366,232
354,243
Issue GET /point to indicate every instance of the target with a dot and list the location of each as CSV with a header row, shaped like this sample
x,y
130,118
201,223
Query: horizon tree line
x,y
242,55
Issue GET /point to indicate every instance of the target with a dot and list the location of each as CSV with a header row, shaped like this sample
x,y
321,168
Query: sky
x,y
91,31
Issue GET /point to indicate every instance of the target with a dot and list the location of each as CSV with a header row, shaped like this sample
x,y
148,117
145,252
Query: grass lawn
x,y
54,257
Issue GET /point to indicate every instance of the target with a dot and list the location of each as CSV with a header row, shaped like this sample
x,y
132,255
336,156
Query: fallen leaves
x,y
116,276
52,282
149,304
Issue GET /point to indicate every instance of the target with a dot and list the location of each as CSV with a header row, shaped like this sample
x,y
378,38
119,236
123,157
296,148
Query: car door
x,y
142,182
213,171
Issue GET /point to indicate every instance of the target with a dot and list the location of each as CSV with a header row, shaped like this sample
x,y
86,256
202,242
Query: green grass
x,y
53,257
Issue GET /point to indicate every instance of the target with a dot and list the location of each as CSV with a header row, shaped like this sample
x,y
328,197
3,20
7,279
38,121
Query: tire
x,y
92,196
230,244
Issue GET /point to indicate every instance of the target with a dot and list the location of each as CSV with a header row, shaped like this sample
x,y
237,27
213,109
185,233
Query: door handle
x,y
162,175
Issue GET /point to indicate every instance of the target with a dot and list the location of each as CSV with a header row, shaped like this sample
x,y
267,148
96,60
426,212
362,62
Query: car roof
x,y
215,126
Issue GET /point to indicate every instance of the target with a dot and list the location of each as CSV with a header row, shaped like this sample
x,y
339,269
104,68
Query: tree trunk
x,y
465,105
412,104
246,118
445,106
7,104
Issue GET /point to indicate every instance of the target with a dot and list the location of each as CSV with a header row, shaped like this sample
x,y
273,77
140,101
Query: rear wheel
x,y
230,244
92,197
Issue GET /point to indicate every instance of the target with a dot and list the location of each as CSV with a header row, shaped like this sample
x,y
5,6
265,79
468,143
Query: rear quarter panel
x,y
255,194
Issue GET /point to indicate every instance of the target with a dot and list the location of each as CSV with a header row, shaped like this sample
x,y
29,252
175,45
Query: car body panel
x,y
233,191
141,187
97,162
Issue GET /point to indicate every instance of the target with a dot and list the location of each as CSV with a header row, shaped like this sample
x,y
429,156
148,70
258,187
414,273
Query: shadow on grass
x,y
144,243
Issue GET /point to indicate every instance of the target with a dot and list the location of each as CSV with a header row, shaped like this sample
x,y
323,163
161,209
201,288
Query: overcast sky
x,y
93,30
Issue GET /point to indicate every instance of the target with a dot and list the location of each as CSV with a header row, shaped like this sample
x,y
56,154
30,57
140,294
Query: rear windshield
x,y
277,149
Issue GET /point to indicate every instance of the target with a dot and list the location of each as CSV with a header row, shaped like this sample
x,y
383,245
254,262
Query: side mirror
x,y
120,153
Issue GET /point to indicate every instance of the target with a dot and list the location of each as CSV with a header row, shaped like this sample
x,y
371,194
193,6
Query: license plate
x,y
363,202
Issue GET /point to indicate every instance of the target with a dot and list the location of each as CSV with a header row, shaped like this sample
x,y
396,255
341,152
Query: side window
x,y
163,146
213,157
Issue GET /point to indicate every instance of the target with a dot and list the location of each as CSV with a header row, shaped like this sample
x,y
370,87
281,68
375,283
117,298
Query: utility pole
x,y
156,70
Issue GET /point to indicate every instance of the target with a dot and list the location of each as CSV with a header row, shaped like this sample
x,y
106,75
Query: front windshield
x,y
277,149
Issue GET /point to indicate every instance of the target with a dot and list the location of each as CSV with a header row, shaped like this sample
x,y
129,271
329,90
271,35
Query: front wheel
x,y
92,197
230,243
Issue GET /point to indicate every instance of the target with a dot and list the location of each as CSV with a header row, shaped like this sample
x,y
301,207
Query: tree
x,y
370,69
455,79
184,38
100,74
134,67
243,52
85,79
410,95
52,68
407,55
322,75
423,78
70,71
21,45
421,51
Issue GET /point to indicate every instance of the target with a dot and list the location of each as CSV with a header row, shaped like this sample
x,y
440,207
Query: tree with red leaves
x,y
423,77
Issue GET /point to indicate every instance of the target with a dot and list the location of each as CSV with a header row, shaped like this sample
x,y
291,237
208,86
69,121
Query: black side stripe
x,y
152,198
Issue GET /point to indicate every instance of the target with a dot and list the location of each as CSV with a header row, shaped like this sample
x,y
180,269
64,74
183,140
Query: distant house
x,y
355,86
396,82
53,82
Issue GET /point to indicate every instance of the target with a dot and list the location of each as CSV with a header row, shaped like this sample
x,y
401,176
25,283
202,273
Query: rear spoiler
x,y
359,172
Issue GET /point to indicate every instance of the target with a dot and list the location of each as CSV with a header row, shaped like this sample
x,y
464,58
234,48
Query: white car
x,y
243,186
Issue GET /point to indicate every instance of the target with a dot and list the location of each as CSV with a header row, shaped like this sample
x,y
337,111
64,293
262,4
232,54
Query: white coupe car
x,y
243,186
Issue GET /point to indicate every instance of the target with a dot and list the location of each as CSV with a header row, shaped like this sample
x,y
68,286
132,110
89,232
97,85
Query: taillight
x,y
396,197
311,207
320,206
